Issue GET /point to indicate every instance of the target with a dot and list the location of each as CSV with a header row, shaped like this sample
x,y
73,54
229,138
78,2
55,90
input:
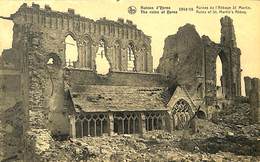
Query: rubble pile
x,y
156,146
220,140
234,115
238,119
214,141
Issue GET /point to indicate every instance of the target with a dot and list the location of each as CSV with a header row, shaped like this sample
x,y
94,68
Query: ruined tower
x,y
228,37
190,60
232,78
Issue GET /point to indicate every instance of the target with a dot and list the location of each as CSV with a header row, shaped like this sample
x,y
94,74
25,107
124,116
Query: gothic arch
x,y
71,60
53,59
181,114
102,61
201,114
72,34
181,105
105,39
225,71
87,37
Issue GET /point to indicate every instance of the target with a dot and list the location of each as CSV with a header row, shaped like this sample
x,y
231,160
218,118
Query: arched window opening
x,y
154,121
53,60
71,52
201,115
91,125
50,61
219,78
130,57
126,123
102,64
180,114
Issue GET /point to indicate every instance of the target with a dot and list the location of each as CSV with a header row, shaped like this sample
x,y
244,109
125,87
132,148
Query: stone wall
x,y
181,59
11,114
87,33
191,61
248,85
10,86
39,35
88,77
252,87
28,84
11,132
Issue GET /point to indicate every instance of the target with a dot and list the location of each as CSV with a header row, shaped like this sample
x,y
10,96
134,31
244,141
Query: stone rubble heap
x,y
215,141
229,137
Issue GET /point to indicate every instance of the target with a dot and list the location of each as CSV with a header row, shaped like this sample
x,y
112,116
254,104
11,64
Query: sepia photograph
x,y
129,81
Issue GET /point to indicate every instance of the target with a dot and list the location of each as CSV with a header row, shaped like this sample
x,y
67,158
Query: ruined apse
x,y
191,61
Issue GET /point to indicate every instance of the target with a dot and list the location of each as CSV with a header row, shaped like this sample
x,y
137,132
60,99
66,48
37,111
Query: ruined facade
x,y
64,97
67,97
190,60
41,34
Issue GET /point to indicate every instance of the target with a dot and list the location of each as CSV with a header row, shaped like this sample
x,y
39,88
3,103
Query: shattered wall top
x,y
61,20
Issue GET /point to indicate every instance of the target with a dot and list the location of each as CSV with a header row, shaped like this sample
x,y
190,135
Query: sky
x,y
159,26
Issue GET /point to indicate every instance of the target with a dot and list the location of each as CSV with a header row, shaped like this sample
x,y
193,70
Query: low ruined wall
x,y
115,78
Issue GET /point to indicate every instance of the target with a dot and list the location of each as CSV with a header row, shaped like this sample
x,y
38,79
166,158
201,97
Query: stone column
x,y
88,55
72,125
254,99
94,49
138,61
149,62
163,122
248,85
110,124
142,123
169,122
110,57
80,54
114,56
124,59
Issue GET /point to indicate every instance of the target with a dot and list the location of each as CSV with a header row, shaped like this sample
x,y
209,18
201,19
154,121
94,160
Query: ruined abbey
x,y
47,96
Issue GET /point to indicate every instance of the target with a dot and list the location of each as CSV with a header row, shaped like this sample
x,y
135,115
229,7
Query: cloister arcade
x,y
93,124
